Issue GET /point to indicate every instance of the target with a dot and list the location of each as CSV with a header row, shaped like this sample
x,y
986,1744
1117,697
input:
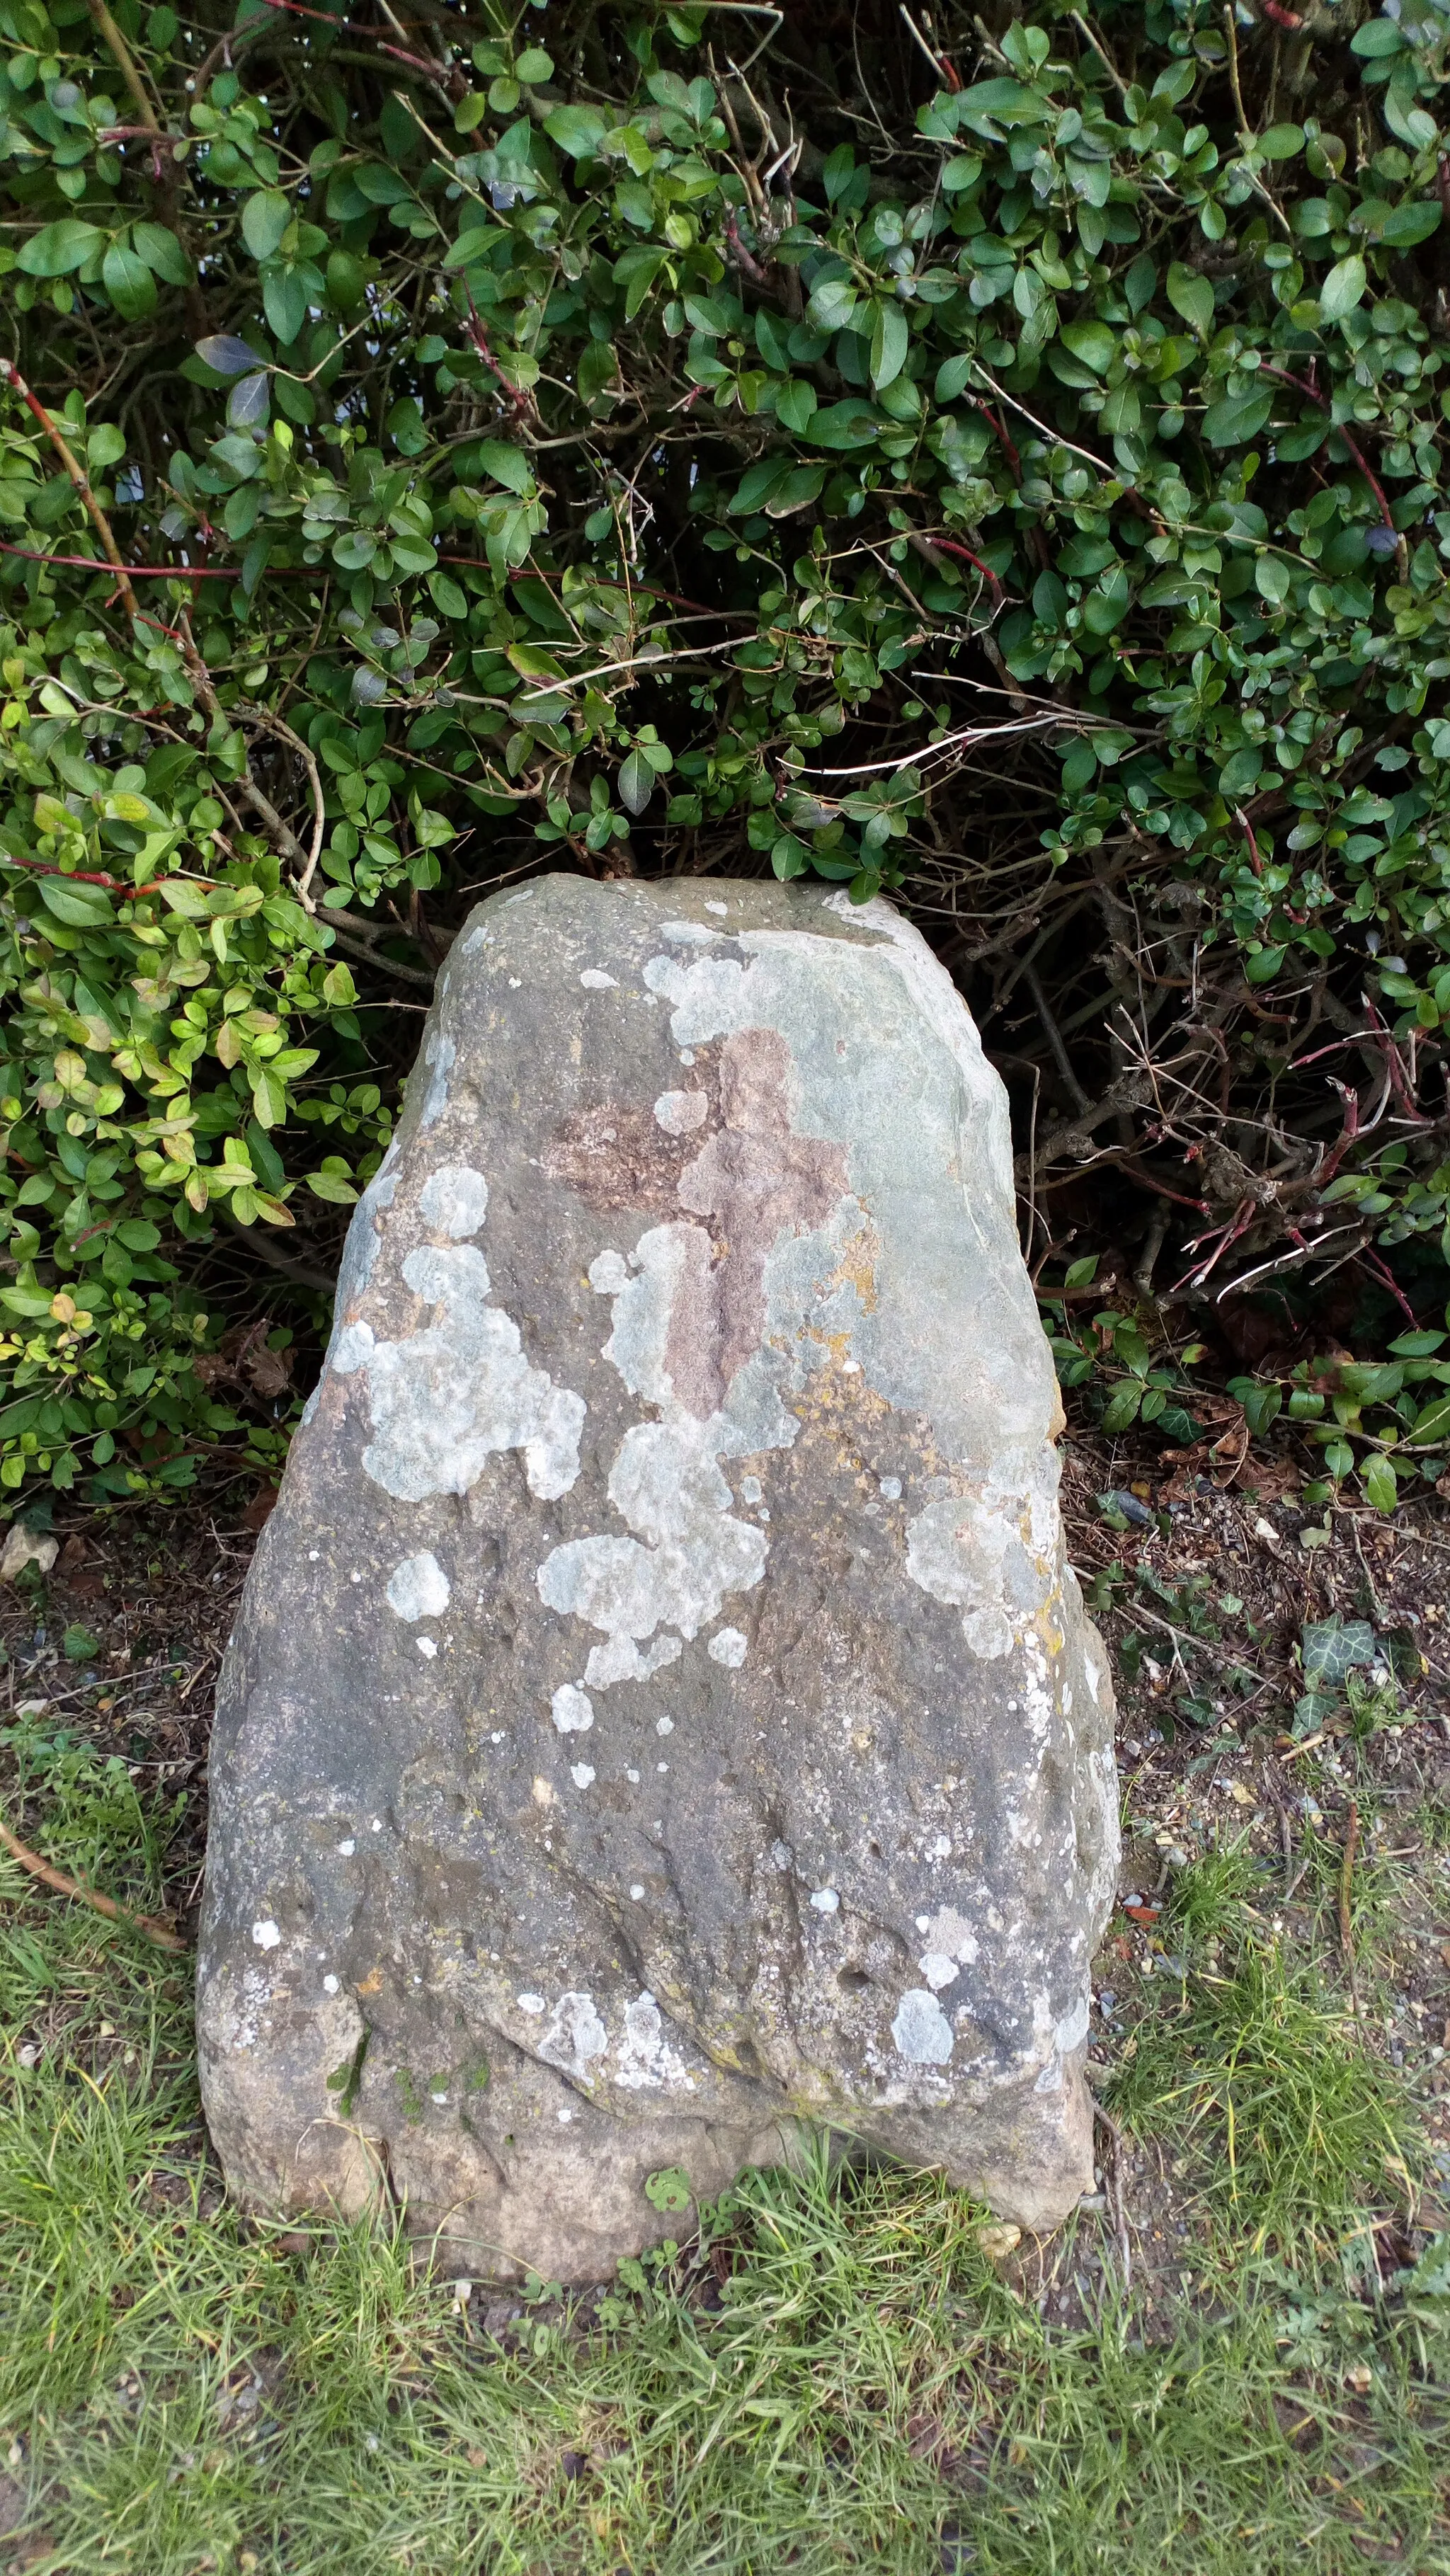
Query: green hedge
x,y
669,438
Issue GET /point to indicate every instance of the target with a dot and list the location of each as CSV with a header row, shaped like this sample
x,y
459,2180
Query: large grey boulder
x,y
661,1707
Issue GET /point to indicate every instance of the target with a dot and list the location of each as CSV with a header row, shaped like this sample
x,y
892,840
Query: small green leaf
x,y
1411,224
1237,417
796,404
162,252
265,218
1093,342
1342,289
636,783
85,906
1191,294
507,465
669,2188
579,131
130,285
59,248
890,341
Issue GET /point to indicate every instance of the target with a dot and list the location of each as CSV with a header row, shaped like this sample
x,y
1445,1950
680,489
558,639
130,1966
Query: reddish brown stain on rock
x,y
755,1179
744,1168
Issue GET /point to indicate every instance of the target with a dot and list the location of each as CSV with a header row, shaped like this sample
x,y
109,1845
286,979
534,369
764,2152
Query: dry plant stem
x,y
275,724
1346,1886
282,833
351,936
1114,2169
79,478
160,1933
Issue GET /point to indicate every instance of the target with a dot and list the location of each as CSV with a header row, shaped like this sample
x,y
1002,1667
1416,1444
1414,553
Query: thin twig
x,y
160,1933
79,478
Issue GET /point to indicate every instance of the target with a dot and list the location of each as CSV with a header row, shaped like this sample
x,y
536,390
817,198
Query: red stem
x,y
1371,478
948,546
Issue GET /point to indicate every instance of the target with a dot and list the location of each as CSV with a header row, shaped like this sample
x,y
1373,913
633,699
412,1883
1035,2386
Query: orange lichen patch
x,y
857,1266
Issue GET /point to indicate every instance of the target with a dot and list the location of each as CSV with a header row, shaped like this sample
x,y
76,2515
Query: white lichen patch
x,y
937,1970
582,1774
690,1552
454,1200
646,2061
949,1936
572,1710
679,1113
419,1588
825,1900
576,2037
443,1400
992,1553
532,2004
608,1273
595,980
727,1646
439,1053
266,1935
620,1660
921,2030
427,1647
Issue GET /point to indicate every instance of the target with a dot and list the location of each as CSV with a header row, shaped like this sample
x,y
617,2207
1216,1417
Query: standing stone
x,y
661,1707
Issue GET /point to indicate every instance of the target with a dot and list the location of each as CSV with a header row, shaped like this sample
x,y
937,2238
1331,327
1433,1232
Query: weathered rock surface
x,y
661,1705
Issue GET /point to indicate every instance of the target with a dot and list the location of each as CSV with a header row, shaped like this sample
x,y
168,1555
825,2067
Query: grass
x,y
834,2377
1302,2129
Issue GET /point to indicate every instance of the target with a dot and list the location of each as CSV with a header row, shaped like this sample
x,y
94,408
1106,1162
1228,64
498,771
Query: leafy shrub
x,y
429,455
